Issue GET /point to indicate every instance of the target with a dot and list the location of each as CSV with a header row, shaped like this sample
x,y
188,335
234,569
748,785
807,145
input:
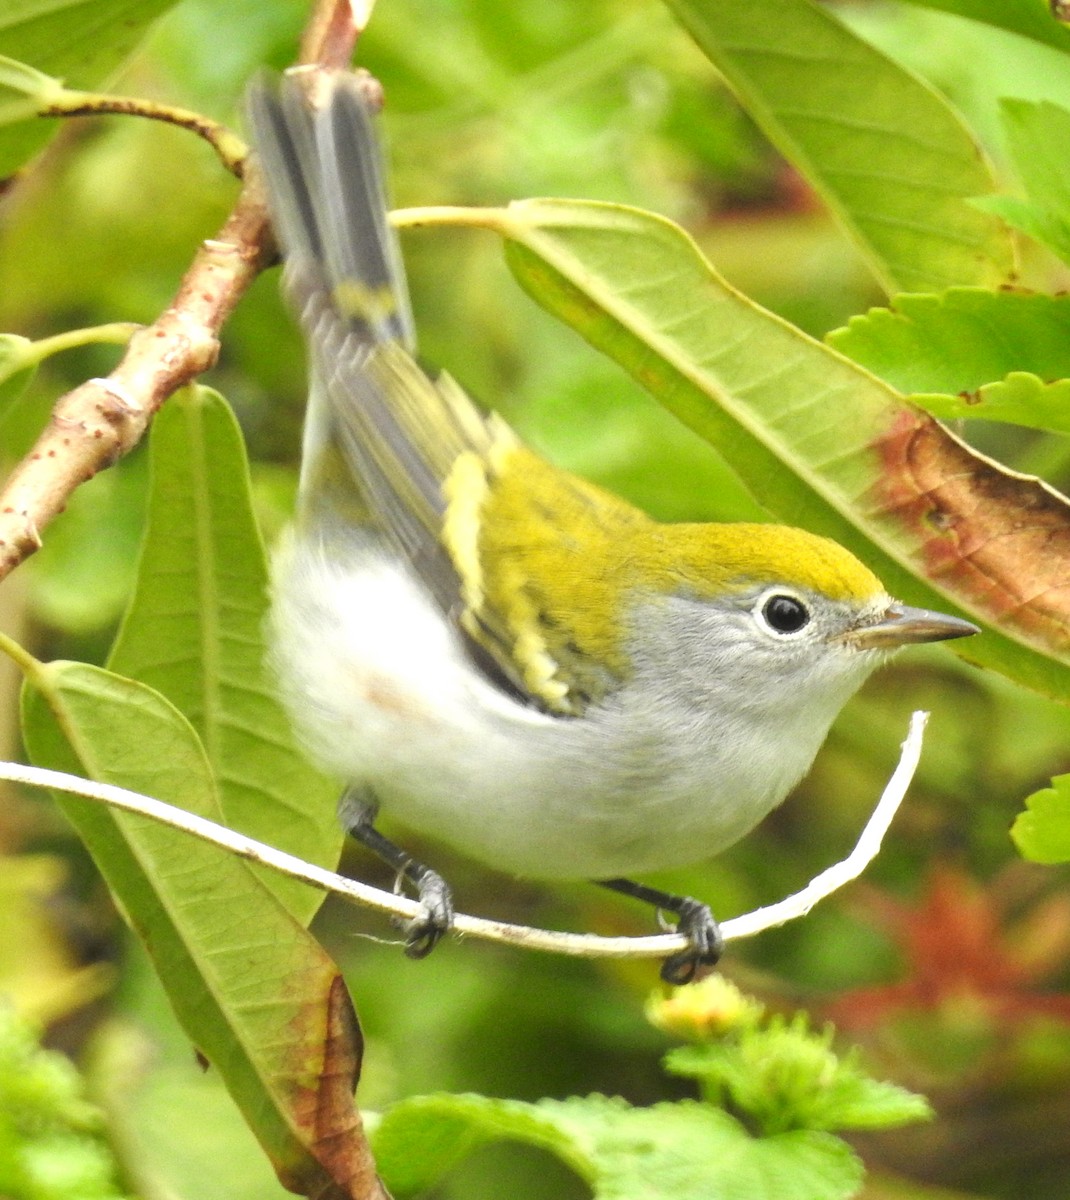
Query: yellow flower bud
x,y
700,1011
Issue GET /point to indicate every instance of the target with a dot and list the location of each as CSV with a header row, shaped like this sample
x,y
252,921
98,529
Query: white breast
x,y
383,696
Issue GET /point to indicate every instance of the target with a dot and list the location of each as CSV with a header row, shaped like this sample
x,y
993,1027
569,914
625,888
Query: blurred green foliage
x,y
488,102
51,1144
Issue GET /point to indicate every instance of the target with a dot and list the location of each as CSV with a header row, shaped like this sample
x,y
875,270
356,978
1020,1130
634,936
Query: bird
x,y
497,653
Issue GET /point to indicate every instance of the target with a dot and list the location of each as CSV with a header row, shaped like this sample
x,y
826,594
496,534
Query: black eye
x,y
785,614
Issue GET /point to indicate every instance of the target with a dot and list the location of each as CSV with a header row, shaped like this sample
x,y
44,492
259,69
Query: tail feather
x,y
359,245
323,167
281,130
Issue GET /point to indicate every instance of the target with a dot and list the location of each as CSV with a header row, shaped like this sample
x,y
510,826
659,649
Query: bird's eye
x,y
785,614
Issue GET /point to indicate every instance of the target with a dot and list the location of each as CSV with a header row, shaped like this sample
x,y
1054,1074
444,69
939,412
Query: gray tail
x,y
323,169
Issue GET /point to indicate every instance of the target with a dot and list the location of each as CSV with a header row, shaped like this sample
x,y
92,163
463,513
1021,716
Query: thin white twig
x,y
574,944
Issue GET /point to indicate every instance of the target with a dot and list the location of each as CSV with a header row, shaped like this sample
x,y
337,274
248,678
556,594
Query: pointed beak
x,y
901,626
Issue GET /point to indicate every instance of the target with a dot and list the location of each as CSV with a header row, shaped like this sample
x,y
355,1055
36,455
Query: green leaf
x,y
960,340
51,1138
886,152
256,994
1042,831
819,442
1037,135
1026,17
971,353
1020,399
785,1076
79,41
688,1151
194,632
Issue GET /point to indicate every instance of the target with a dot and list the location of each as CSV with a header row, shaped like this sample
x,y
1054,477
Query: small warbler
x,y
494,651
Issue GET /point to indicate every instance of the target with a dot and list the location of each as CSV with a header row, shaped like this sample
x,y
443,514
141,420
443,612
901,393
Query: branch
x,y
232,151
332,31
103,419
571,944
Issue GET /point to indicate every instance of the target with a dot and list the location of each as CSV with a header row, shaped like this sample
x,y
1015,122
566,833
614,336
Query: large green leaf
x,y
1003,356
254,991
194,632
886,152
79,41
688,1151
818,440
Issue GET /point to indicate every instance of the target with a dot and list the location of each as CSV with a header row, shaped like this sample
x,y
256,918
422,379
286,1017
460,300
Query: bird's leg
x,y
696,923
357,813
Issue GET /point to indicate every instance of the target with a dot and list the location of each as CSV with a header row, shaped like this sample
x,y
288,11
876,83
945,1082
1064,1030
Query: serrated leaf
x,y
418,1141
253,990
820,442
864,1103
786,1076
194,632
81,42
1025,17
1042,831
687,1150
1020,399
886,152
1001,356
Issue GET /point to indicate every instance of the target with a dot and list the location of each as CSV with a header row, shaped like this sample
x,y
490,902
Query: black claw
x,y
423,932
357,811
696,923
706,944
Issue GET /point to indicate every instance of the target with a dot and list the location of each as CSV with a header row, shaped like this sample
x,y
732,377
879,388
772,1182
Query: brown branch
x,y
103,419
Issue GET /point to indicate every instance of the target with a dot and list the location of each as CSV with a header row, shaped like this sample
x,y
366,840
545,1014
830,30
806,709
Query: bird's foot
x,y
357,811
694,921
423,932
705,942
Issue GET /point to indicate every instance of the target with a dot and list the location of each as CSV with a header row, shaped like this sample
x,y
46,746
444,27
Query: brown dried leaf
x,y
995,538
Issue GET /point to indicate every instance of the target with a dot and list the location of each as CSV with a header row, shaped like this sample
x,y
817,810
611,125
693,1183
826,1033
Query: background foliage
x,y
949,965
